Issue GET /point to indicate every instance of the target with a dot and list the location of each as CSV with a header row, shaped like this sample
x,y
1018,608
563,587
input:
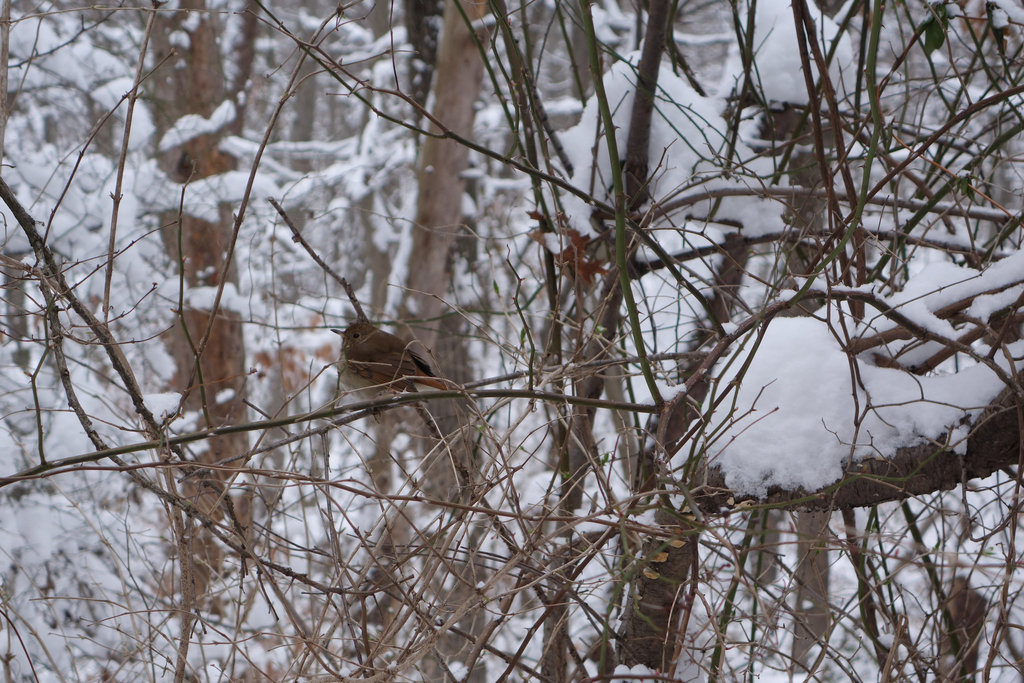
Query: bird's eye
x,y
355,335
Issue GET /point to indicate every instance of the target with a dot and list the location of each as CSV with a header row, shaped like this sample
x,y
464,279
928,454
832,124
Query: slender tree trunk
x,y
811,608
438,224
421,21
17,316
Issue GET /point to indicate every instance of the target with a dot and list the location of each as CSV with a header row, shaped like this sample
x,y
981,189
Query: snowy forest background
x,y
732,291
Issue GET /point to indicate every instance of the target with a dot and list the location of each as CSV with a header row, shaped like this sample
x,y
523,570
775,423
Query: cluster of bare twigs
x,y
558,514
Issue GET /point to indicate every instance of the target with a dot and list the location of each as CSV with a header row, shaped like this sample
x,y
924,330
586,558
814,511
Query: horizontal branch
x,y
996,443
355,411
791,236
797,192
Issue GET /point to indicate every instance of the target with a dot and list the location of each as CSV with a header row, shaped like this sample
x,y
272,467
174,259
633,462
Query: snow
x,y
191,22
953,9
687,141
794,424
180,39
778,70
637,672
941,284
796,417
75,62
204,197
203,298
191,126
113,94
163,404
982,307
84,567
1011,12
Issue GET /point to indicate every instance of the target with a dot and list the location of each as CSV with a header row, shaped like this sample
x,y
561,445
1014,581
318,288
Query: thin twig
x,y
133,96
298,238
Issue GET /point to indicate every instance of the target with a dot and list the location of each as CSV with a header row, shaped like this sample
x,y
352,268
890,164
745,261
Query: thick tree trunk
x,y
206,345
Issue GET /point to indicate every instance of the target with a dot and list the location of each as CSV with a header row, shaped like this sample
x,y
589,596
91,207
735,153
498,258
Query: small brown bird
x,y
375,358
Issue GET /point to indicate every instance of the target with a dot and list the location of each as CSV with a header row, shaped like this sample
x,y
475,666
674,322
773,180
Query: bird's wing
x,y
422,367
418,370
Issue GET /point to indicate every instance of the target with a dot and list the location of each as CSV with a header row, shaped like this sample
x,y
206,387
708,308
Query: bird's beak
x,y
337,331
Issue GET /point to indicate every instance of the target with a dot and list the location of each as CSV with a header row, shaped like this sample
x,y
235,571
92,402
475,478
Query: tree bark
x,y
811,608
421,23
994,444
438,220
438,224
635,169
192,82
